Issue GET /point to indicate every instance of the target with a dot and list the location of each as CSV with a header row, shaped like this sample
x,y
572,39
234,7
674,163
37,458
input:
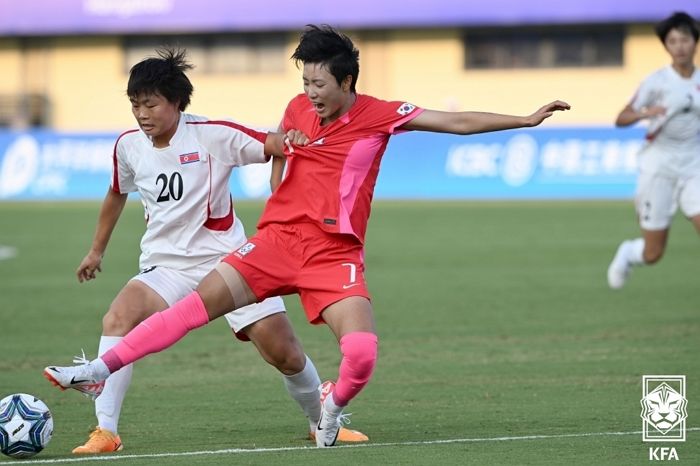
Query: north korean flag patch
x,y
189,158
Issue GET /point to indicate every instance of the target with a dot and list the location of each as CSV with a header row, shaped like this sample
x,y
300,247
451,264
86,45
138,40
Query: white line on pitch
x,y
229,451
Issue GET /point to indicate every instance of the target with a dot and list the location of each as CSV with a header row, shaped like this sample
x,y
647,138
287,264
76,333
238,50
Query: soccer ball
x,y
26,425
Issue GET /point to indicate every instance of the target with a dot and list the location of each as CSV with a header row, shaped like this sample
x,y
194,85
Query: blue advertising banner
x,y
45,165
583,163
49,165
558,163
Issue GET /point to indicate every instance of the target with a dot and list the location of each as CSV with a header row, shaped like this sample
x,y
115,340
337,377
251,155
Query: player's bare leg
x,y
224,290
275,340
654,246
212,299
134,303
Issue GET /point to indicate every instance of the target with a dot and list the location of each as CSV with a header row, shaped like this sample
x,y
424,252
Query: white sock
x,y
635,251
303,388
108,405
330,406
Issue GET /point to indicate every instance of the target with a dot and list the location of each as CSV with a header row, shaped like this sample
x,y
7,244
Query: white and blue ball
x,y
26,425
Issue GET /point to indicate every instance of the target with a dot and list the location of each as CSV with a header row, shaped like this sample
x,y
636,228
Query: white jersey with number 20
x,y
184,188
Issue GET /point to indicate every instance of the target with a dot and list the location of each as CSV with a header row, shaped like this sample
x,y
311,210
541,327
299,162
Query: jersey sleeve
x,y
288,121
645,96
232,143
392,115
122,173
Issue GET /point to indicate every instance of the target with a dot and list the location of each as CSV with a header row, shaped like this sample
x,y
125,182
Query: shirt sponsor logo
x,y
189,158
405,109
318,142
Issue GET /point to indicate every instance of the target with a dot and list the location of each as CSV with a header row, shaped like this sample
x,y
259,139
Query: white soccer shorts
x,y
173,285
659,196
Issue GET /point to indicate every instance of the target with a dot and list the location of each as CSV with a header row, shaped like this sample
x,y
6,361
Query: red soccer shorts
x,y
322,268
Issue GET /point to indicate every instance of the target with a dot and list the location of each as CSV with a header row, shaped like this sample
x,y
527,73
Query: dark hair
x,y
324,45
678,20
164,75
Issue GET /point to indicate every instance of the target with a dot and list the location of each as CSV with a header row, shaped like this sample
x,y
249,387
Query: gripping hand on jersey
x,y
294,137
277,143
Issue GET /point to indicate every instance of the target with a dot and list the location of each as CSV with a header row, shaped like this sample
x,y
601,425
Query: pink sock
x,y
359,351
158,332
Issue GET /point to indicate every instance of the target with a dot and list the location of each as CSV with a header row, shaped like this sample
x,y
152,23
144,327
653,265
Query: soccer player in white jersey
x,y
180,165
669,100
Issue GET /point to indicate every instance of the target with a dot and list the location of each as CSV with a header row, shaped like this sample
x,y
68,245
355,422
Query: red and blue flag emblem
x,y
189,158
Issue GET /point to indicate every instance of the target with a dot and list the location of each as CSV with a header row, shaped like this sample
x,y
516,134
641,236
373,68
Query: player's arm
x,y
276,143
479,122
629,116
110,211
277,172
278,164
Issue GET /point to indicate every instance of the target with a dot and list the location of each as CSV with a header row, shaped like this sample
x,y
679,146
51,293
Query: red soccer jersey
x,y
331,181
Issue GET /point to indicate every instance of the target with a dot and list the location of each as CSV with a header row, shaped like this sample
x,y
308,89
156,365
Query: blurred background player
x,y
180,165
310,239
669,99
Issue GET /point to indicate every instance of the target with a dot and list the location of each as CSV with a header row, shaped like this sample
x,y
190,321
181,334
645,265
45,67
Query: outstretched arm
x,y
479,122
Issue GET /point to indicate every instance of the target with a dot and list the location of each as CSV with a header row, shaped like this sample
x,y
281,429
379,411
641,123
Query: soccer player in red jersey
x,y
310,238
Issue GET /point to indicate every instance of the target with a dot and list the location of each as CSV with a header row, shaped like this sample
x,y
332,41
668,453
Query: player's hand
x,y
546,111
90,264
297,138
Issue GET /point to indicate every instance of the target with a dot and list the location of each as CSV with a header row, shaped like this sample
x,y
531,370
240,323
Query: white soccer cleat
x,y
619,269
344,435
80,377
329,426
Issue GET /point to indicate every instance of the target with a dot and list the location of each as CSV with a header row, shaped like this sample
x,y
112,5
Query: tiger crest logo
x,y
664,408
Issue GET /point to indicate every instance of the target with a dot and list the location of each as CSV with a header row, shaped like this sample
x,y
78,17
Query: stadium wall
x,y
83,79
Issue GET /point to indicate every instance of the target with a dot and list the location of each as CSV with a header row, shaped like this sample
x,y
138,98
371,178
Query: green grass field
x,y
499,342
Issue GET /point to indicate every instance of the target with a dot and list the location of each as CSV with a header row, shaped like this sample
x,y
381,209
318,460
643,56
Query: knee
x,y
118,321
360,352
287,357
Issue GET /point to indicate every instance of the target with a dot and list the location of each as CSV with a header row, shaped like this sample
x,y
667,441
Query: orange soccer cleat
x,y
346,435
100,441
